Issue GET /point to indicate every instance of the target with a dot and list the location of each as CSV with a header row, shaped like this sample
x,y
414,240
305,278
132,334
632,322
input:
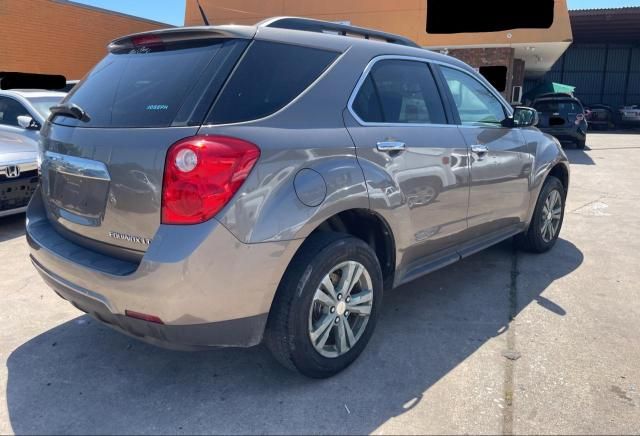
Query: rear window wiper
x,y
70,110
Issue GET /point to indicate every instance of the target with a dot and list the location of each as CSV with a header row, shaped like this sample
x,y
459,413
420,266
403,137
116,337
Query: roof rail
x,y
319,26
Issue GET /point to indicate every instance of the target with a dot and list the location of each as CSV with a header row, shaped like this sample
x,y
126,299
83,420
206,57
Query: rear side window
x,y
147,87
269,76
399,91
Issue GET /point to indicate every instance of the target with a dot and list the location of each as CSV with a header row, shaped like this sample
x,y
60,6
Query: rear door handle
x,y
479,149
389,146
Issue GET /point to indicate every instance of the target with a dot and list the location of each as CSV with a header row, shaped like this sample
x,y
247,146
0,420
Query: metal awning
x,y
605,25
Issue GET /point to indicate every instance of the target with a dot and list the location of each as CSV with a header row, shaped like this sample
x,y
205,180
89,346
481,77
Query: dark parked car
x,y
600,116
562,116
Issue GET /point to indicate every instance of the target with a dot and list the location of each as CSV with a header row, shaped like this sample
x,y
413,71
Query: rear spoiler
x,y
181,34
15,80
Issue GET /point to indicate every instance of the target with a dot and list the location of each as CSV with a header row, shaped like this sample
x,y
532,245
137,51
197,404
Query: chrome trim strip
x,y
13,211
391,146
76,166
377,59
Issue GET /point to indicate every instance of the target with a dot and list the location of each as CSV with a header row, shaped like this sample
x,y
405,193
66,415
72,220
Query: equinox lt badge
x,y
129,238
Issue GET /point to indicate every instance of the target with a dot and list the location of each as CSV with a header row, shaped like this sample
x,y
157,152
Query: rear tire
x,y
549,211
306,330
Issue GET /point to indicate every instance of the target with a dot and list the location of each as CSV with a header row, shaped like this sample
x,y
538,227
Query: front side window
x,y
474,101
399,92
10,110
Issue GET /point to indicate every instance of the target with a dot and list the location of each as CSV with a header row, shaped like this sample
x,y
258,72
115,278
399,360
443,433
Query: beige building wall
x,y
403,17
59,37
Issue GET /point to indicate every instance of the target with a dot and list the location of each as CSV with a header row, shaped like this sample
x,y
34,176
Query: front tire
x,y
547,220
326,306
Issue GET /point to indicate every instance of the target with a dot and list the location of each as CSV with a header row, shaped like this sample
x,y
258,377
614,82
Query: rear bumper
x,y
208,288
237,332
563,135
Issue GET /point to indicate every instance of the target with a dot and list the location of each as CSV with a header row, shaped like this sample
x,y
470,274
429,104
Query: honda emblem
x,y
12,171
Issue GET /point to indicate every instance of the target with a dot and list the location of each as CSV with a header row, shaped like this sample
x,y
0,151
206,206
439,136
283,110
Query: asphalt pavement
x,y
501,342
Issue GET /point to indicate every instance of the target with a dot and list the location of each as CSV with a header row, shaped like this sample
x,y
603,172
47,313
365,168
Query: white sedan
x,y
22,114
630,114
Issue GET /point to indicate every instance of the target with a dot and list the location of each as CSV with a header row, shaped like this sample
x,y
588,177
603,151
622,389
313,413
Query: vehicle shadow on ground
x,y
577,156
81,377
11,227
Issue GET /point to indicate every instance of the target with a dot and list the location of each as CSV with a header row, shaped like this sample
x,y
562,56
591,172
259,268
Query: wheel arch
x,y
560,171
371,228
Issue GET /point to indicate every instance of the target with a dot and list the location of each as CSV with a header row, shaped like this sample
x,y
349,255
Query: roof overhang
x,y
539,57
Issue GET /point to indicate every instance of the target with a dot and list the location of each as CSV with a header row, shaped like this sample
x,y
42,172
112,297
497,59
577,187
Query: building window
x,y
496,75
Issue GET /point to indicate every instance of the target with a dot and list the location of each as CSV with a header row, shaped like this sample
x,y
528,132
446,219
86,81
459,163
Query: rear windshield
x,y
559,106
154,87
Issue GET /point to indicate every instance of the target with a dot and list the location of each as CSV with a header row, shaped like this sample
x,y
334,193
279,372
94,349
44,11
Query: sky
x,y
172,11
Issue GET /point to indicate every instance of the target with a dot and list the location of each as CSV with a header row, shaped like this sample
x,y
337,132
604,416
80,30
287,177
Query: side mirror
x,y
28,123
525,117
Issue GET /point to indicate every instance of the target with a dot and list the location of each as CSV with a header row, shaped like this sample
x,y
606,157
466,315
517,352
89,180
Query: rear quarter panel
x,y
309,133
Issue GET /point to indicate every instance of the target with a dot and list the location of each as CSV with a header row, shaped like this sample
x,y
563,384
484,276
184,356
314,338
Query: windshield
x,y
43,104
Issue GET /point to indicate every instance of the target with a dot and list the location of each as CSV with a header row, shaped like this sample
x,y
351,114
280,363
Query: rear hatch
x,y
558,113
102,176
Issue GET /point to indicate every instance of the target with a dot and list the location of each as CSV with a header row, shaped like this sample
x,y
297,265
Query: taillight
x,y
146,40
201,175
143,316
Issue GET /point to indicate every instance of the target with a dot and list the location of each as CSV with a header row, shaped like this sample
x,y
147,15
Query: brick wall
x,y
481,57
59,37
518,72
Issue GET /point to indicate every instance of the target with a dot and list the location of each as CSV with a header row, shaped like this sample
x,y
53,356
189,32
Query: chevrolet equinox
x,y
223,185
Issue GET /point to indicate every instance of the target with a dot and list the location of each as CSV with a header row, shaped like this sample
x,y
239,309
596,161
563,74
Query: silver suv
x,y
221,186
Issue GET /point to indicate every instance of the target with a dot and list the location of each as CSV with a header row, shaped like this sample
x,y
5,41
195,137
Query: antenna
x,y
204,16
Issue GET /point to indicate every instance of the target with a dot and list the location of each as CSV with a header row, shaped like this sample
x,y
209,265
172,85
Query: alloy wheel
x,y
340,309
551,216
